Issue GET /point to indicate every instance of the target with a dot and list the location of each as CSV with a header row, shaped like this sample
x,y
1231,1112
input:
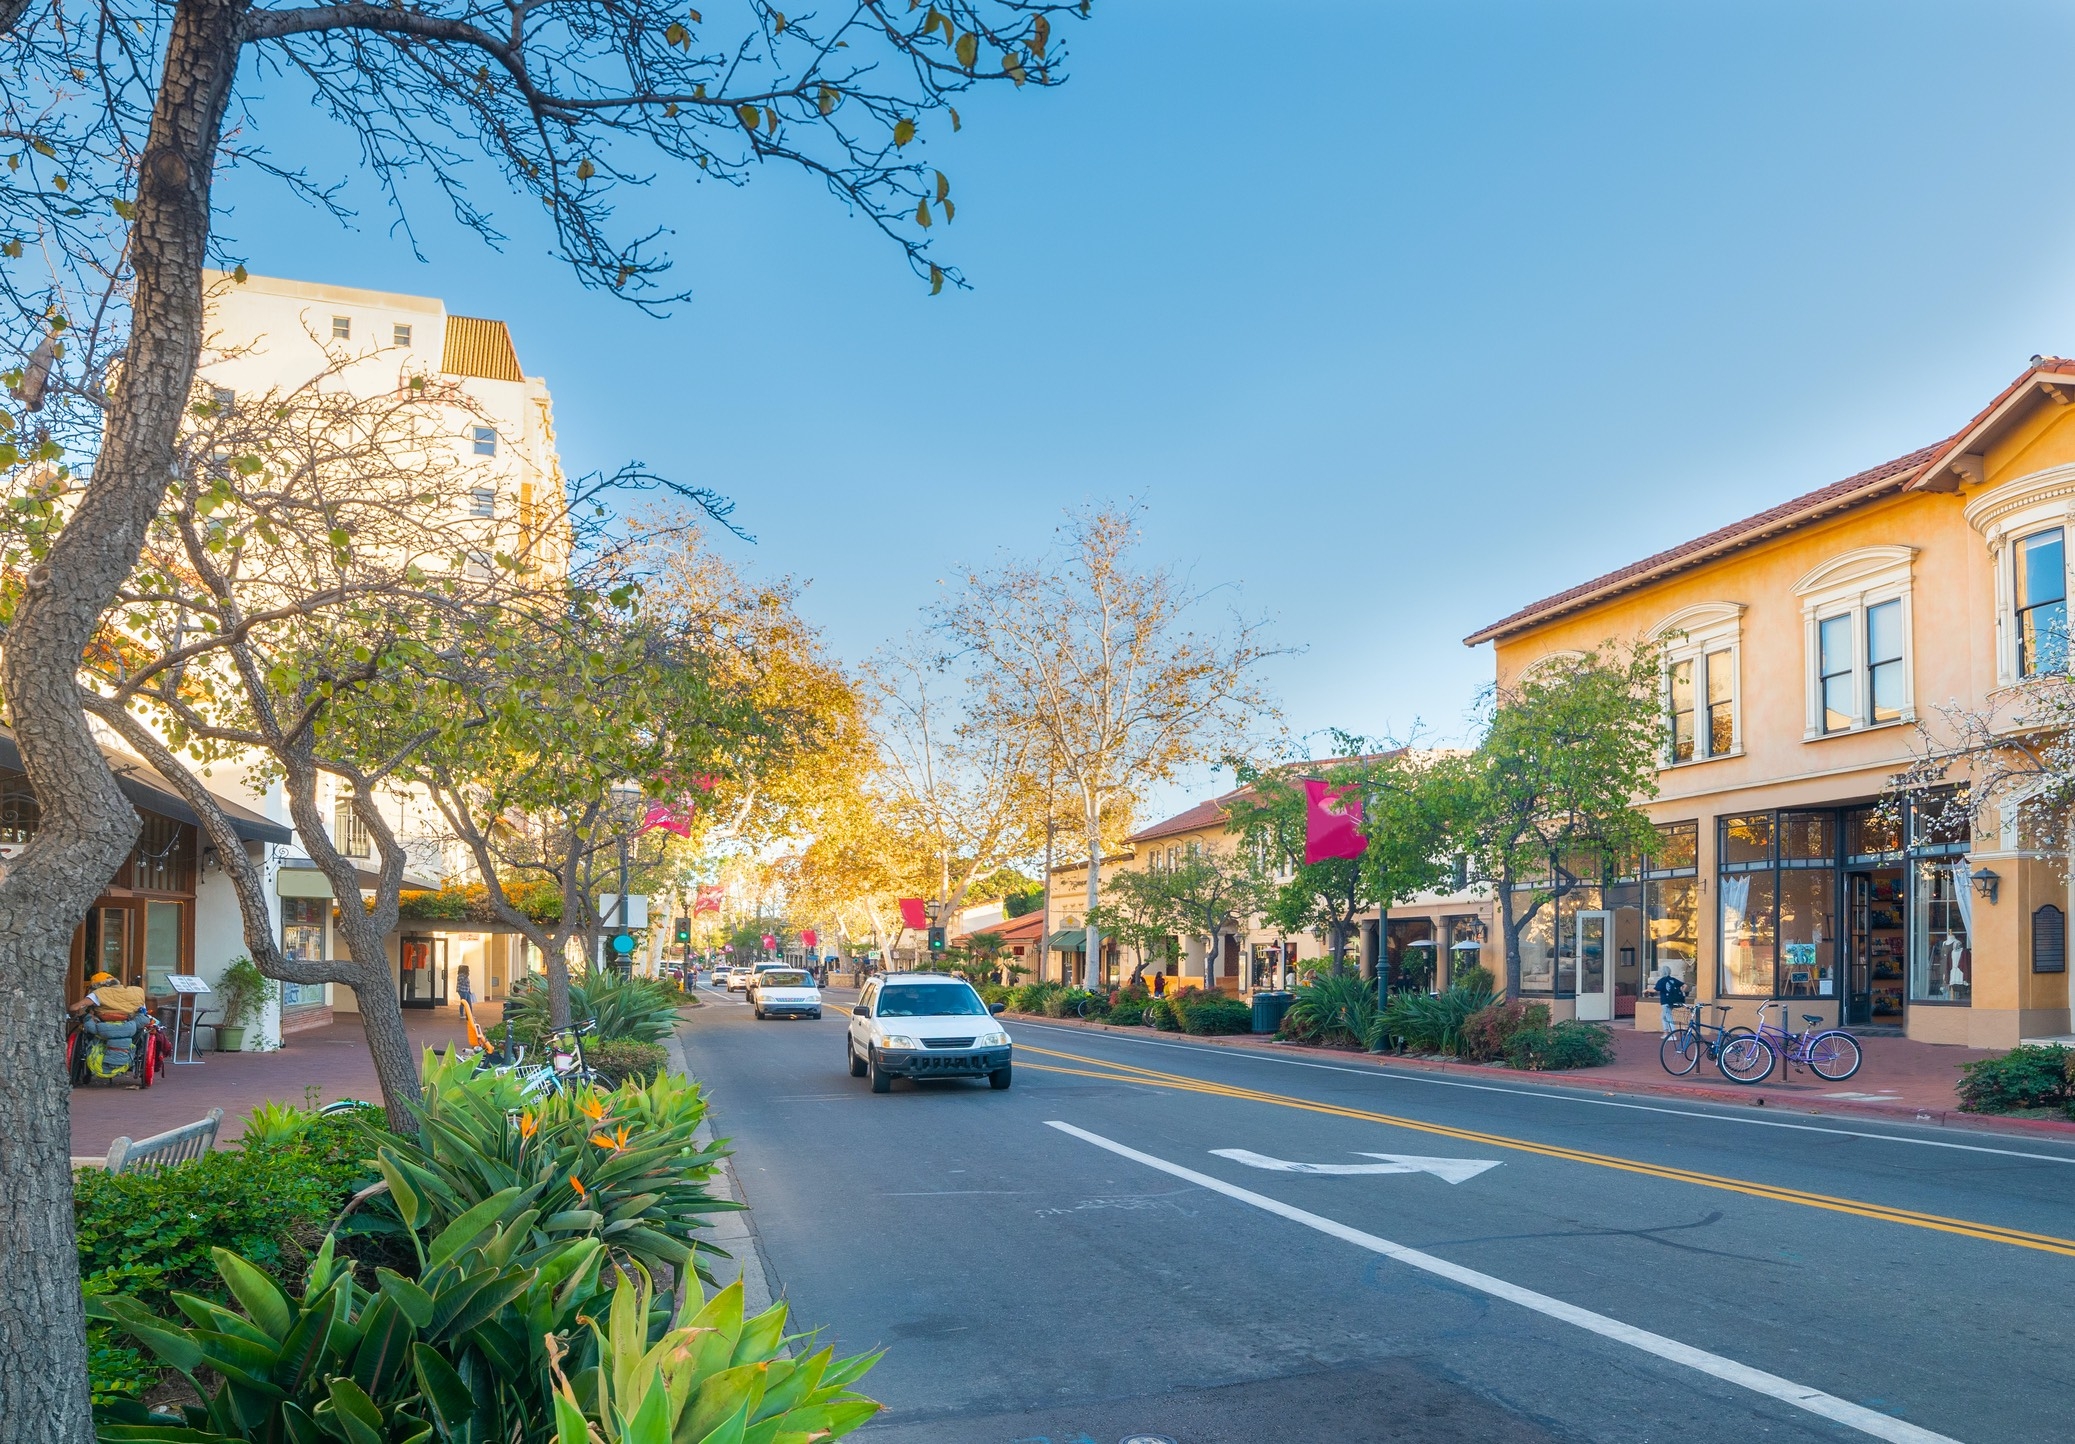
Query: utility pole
x,y
1045,923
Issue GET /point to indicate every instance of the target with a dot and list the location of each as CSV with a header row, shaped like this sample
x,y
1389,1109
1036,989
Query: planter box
x,y
230,1039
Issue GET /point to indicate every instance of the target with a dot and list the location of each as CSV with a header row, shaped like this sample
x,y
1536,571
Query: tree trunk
x,y
1091,965
1337,931
88,827
1510,935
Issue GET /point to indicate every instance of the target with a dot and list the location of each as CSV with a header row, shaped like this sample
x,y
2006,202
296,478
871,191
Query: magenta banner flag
x,y
1332,822
913,913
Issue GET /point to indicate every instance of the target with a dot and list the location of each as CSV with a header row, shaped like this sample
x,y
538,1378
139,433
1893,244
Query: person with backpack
x,y
1671,996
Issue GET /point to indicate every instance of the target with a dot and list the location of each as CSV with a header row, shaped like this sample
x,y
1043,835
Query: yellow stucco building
x,y
1812,652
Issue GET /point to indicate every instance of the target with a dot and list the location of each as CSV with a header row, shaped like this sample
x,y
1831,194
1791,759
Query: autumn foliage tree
x,y
116,117
1110,669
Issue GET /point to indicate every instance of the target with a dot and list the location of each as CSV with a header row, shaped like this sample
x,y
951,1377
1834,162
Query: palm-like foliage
x,y
1432,1023
1333,1009
644,1009
620,1166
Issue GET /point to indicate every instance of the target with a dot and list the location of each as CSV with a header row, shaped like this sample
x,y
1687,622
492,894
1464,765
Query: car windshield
x,y
929,1000
783,980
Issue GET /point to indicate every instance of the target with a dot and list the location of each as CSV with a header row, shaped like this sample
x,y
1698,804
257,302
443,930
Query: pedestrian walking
x,y
464,989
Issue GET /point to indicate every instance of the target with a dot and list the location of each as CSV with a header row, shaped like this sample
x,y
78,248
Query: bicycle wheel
x,y
1679,1053
1747,1060
1834,1056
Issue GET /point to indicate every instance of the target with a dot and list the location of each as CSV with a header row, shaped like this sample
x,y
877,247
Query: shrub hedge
x,y
2032,1076
1486,1032
622,1060
1569,1044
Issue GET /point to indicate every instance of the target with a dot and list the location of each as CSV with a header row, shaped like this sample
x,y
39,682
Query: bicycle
x,y
565,1069
1831,1054
1695,1036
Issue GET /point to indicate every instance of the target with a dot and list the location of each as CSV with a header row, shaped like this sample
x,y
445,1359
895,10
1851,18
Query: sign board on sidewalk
x,y
186,983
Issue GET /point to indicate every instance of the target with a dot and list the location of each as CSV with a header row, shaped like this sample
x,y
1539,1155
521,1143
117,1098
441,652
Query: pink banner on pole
x,y
1332,822
663,815
913,913
807,937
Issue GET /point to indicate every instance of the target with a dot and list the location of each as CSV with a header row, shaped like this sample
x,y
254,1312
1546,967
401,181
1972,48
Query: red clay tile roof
x,y
1892,476
1202,815
1950,448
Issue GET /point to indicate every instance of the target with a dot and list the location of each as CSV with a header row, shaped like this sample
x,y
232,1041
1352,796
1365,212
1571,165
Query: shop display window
x,y
1538,948
1941,962
1749,933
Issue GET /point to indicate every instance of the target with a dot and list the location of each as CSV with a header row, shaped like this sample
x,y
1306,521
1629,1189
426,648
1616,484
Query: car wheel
x,y
882,1081
815,1015
857,1064
1001,1077
760,1014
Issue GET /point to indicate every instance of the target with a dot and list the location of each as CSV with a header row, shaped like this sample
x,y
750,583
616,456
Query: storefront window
x,y
1746,841
302,928
1941,962
1808,933
1748,933
1538,948
1672,918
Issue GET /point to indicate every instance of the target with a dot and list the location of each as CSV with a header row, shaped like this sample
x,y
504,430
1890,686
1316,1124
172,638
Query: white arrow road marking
x,y
1453,1170
1758,1381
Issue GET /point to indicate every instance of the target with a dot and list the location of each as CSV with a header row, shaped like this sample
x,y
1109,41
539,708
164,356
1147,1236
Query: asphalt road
x,y
1083,1259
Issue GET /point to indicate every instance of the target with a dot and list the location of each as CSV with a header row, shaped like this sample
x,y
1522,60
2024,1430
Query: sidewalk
x,y
1900,1080
332,1059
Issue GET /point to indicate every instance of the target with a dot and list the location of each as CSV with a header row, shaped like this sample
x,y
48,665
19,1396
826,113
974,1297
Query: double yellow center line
x,y
1153,1078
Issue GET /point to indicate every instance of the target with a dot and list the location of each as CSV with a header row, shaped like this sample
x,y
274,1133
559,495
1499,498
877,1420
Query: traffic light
x,y
684,930
936,940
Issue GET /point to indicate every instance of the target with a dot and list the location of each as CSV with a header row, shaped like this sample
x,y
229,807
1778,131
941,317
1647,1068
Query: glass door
x,y
1858,975
422,976
1595,977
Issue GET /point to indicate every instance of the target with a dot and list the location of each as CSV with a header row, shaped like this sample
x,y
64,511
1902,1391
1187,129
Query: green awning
x,y
1069,940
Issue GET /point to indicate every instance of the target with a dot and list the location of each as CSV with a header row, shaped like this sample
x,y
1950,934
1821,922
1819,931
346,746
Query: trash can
x,y
1268,1010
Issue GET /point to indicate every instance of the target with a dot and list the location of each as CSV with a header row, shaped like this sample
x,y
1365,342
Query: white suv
x,y
925,1025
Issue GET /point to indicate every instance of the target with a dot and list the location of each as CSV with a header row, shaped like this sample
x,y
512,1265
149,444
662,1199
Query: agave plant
x,y
459,1353
714,1377
618,1165
644,1009
1431,1023
1333,1009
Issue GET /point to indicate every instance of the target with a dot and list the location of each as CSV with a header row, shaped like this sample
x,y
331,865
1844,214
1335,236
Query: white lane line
x,y
1801,1396
1563,1095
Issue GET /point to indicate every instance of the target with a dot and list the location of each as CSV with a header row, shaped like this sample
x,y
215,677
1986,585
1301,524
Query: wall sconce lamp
x,y
1985,883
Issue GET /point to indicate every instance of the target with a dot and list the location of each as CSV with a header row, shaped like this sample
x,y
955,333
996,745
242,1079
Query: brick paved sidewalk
x,y
1900,1078
333,1059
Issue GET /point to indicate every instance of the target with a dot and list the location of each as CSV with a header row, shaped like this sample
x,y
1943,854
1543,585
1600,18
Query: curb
x,y
1581,1081
734,1231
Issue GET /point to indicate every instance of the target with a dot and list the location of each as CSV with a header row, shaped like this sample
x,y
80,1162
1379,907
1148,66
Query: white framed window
x,y
478,566
342,328
1703,647
2026,522
1857,625
484,440
400,334
223,398
482,501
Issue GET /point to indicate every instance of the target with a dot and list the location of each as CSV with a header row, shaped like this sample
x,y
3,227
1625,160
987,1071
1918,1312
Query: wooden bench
x,y
163,1150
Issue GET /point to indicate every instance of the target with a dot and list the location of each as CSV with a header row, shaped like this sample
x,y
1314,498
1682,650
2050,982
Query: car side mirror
x,y
997,1008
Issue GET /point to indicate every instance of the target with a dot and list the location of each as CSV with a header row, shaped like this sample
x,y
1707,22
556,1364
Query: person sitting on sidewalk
x,y
113,1001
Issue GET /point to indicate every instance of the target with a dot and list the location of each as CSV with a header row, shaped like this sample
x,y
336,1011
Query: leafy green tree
x,y
1408,806
1569,748
1138,910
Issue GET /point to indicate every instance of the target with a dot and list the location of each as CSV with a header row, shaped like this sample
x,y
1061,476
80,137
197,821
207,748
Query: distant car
x,y
925,1025
784,993
738,978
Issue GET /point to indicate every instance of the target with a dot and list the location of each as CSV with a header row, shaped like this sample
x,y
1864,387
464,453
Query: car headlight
x,y
897,1040
996,1039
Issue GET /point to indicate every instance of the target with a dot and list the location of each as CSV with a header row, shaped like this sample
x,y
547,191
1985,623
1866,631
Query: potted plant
x,y
245,992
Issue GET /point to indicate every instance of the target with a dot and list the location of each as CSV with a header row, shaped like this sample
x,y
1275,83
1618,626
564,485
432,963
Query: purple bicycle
x,y
1831,1053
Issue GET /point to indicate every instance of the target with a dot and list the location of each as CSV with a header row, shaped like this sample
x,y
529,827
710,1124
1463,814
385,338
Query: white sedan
x,y
784,993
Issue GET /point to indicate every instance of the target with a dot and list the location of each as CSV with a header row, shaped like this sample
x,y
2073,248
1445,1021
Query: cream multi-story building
x,y
269,336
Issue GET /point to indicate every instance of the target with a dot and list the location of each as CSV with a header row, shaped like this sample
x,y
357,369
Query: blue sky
x,y
1396,316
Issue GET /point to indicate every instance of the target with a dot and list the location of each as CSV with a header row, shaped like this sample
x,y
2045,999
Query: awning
x,y
151,792
1069,940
